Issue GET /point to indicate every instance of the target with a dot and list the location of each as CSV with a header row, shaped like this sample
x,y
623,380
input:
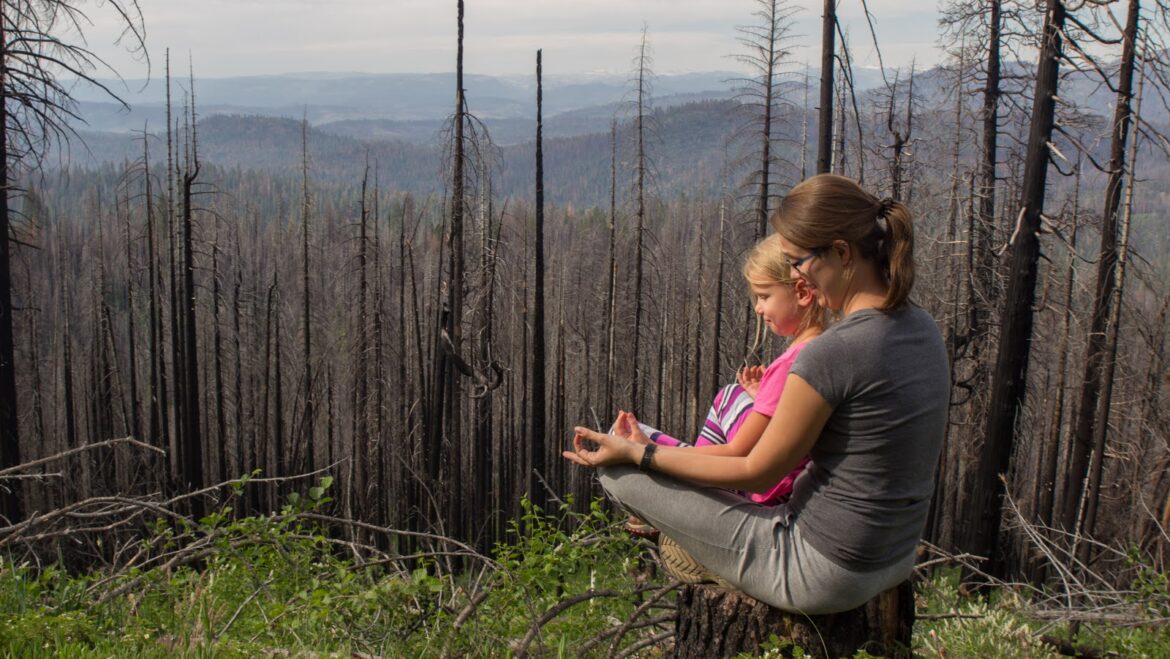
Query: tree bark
x,y
713,622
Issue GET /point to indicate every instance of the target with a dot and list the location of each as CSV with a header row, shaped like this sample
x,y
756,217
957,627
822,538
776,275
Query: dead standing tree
x,y
761,94
641,167
825,121
1011,367
536,441
192,447
1093,409
308,421
442,417
35,112
442,414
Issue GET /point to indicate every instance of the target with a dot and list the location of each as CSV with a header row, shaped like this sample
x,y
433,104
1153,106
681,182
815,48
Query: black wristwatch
x,y
647,454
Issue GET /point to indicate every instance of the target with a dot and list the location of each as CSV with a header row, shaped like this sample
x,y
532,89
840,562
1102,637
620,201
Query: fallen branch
x,y
651,601
4,473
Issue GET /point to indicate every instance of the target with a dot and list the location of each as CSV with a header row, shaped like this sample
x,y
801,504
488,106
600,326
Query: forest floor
x,y
572,584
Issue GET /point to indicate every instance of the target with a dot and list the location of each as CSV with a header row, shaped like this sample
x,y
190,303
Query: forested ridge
x,y
375,349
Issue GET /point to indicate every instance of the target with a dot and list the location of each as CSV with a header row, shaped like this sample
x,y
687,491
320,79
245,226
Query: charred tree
x,y
158,426
1093,408
1113,324
640,167
36,110
1011,367
134,422
361,417
11,507
611,289
761,93
309,419
983,278
828,53
217,361
536,457
192,453
444,403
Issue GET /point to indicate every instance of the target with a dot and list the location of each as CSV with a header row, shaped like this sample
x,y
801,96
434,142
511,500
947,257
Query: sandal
x,y
639,528
678,563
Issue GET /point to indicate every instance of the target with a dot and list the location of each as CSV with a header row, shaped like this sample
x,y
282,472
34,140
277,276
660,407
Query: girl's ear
x,y
803,293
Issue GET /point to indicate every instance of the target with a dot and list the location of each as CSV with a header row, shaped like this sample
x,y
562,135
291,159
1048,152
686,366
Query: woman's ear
x,y
803,292
844,251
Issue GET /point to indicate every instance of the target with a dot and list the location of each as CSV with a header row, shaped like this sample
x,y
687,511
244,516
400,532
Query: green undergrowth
x,y
279,586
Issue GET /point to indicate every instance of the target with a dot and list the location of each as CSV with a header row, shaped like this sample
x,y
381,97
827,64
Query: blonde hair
x,y
766,265
827,207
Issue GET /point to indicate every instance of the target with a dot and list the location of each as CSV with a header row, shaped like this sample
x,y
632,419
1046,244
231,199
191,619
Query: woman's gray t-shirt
x,y
864,499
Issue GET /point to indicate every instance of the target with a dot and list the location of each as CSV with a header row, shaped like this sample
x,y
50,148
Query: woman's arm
x,y
788,437
746,437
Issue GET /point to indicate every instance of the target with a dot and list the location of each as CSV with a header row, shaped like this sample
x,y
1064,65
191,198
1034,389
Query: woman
x,y
867,399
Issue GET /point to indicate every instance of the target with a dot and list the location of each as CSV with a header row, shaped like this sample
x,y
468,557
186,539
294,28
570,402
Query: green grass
x,y
277,585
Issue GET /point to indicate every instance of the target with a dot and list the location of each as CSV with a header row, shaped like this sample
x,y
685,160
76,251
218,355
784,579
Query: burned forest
x,y
217,328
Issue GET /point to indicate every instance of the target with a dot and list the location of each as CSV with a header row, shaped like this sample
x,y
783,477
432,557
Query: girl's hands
x,y
749,378
594,449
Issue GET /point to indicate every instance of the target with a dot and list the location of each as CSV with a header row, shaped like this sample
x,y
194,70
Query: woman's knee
x,y
617,480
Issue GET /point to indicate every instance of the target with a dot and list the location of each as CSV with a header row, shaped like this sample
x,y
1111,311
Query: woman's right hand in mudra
x,y
595,449
627,426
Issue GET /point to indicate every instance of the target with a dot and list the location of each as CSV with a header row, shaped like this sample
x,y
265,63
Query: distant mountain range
x,y
409,107
397,120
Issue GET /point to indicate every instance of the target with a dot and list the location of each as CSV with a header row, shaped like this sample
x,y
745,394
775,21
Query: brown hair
x,y
827,207
766,265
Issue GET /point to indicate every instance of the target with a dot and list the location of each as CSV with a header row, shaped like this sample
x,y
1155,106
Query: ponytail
x,y
828,207
897,254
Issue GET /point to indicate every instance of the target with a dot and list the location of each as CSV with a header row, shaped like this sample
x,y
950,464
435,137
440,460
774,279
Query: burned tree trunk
x,y
1113,324
765,55
217,362
640,226
713,622
192,465
983,279
10,500
309,420
828,51
717,315
611,290
536,457
1011,366
1093,409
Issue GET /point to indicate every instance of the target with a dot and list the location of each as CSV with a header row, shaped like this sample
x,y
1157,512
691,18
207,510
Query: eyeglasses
x,y
796,263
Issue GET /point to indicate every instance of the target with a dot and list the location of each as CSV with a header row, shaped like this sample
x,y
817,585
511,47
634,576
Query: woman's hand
x,y
627,427
749,378
594,449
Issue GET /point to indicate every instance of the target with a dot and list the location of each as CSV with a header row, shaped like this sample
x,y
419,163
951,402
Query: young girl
x,y
741,411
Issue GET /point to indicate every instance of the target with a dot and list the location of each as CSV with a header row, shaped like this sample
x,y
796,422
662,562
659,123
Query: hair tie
x,y
885,206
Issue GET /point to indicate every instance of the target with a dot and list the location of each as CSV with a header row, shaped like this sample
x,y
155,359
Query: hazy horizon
x,y
243,38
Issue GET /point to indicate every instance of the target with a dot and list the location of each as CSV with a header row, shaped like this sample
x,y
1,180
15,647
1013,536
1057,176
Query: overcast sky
x,y
247,37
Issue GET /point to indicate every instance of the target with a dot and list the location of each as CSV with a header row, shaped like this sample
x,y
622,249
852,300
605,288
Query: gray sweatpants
x,y
759,549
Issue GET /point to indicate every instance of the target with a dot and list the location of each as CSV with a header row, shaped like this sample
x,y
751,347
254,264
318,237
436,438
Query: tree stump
x,y
713,622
